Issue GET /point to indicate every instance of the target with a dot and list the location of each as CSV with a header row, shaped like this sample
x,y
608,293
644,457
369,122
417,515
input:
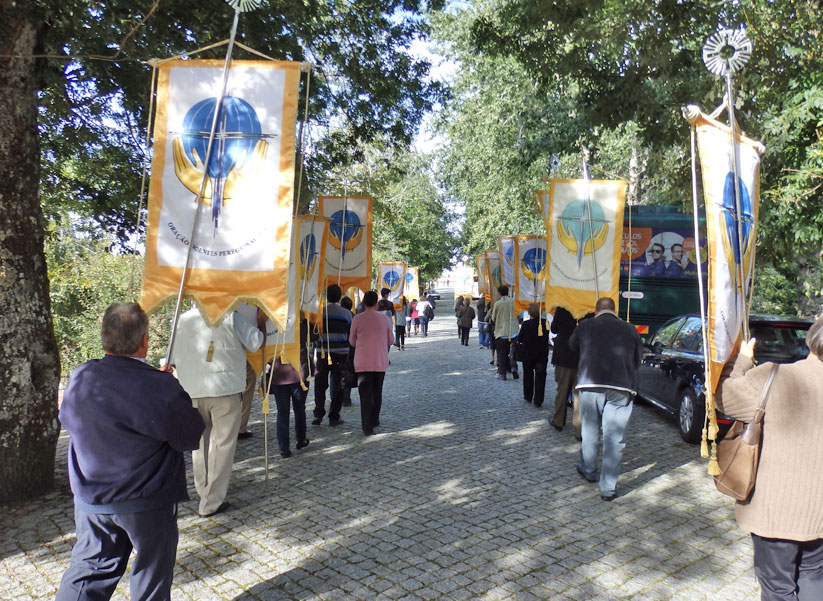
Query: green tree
x,y
90,85
623,68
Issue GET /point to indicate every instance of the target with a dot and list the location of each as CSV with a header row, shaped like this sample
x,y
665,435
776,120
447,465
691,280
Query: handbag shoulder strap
x,y
764,395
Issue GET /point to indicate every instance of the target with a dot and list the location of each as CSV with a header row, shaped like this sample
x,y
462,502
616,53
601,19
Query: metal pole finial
x,y
244,6
727,51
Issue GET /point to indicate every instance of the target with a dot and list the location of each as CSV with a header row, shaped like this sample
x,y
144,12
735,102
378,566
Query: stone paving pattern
x,y
466,492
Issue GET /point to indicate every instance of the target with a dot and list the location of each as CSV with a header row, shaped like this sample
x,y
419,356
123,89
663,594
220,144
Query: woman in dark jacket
x,y
465,316
534,343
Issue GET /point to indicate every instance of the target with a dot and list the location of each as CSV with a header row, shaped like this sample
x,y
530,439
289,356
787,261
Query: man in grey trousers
x,y
610,353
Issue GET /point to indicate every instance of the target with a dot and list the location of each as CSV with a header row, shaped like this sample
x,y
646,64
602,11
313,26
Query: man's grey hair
x,y
123,328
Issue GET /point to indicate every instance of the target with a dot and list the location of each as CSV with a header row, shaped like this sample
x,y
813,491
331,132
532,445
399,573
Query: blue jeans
x,y
612,409
483,333
424,324
284,396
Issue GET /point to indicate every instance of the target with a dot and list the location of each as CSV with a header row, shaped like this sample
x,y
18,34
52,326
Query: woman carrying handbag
x,y
784,513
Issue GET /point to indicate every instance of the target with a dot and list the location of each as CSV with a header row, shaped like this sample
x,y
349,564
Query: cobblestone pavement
x,y
465,493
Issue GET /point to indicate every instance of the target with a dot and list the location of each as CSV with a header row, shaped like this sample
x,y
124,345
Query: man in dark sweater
x,y
333,349
129,425
610,353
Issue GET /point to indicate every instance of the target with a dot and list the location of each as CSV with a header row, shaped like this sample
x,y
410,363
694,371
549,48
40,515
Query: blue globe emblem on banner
x,y
409,277
509,252
345,234
392,280
730,237
308,256
580,234
533,263
238,132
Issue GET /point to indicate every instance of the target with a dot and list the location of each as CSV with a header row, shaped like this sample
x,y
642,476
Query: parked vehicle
x,y
654,291
432,293
671,376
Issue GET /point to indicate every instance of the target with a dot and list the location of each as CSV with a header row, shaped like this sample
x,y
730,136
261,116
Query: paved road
x,y
465,493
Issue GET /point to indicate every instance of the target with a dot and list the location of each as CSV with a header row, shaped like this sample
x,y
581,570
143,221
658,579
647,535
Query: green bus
x,y
658,267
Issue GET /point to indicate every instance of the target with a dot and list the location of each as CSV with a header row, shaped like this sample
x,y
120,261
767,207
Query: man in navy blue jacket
x,y
129,425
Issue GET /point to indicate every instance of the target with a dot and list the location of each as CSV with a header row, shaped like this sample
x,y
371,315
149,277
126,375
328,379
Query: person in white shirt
x,y
211,367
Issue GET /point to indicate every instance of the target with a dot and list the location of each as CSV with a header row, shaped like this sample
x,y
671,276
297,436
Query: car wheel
x,y
690,415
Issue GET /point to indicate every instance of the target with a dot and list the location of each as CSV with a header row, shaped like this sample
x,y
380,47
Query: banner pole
x,y
198,200
738,218
591,227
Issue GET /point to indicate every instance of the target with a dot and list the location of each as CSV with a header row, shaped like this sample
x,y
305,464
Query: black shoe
x,y
368,432
538,406
556,427
491,362
610,497
529,401
335,422
244,435
317,421
303,444
224,506
515,375
501,376
585,477
285,454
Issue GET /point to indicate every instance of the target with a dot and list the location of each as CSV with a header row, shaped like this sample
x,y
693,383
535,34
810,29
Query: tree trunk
x,y
29,363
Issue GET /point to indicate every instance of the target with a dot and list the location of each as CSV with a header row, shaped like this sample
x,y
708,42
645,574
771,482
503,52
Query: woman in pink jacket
x,y
370,335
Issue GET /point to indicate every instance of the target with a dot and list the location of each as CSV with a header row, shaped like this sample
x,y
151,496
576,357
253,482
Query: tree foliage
x,y
95,95
411,219
612,75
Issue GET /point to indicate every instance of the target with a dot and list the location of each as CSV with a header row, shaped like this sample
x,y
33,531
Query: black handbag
x,y
347,374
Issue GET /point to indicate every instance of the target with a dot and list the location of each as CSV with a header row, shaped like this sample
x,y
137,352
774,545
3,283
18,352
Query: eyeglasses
x,y
657,251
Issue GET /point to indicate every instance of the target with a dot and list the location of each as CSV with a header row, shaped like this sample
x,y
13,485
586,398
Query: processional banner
x,y
411,287
392,276
348,252
584,227
530,275
242,242
730,274
312,239
281,342
482,278
505,246
493,273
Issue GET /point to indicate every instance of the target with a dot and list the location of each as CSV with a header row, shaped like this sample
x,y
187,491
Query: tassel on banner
x,y
714,467
265,410
704,444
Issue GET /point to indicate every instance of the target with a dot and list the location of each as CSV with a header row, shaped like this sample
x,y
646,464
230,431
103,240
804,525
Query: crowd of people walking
x,y
126,463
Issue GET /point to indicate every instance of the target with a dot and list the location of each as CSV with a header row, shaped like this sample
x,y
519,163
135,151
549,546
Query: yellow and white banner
x,y
392,276
505,246
312,239
532,269
730,273
241,246
482,277
493,273
282,342
348,252
411,286
583,242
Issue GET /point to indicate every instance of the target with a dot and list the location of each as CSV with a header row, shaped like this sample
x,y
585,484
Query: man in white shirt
x,y
211,367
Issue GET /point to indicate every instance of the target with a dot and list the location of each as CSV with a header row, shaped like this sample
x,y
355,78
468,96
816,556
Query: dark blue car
x,y
671,375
